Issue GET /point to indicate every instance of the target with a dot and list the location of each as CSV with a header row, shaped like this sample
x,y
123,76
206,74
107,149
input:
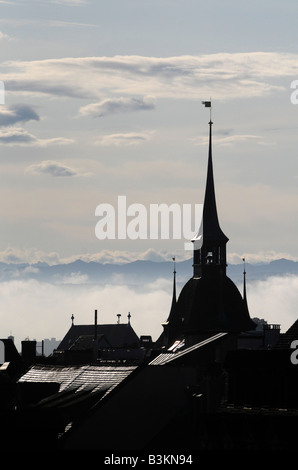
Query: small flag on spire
x,y
207,104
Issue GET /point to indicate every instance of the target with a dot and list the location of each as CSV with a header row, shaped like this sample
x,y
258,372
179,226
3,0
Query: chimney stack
x,y
95,324
95,342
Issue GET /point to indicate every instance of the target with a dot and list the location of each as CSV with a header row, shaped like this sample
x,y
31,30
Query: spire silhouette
x,y
211,227
213,248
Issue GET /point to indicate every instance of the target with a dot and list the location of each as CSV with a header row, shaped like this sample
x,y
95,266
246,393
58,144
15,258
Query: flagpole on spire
x,y
207,104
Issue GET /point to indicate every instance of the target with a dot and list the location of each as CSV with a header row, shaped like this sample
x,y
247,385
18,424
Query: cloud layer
x,y
52,168
14,255
117,105
41,310
225,75
18,136
17,113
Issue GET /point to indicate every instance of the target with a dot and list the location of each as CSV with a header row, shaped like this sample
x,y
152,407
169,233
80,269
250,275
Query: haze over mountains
x,y
38,300
136,272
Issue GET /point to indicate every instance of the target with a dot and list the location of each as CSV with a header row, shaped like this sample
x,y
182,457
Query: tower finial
x,y
244,280
72,319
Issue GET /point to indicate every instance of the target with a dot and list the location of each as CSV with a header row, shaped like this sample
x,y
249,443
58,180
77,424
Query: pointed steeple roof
x,y
244,282
174,298
244,289
211,227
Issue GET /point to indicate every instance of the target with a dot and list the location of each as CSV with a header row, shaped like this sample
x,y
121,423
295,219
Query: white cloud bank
x,y
224,75
41,310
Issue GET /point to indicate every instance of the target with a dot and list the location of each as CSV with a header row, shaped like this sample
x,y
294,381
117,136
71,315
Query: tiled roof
x,y
79,378
80,389
85,342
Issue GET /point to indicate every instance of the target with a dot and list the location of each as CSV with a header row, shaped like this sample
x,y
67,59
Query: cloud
x,y
31,270
17,113
228,140
274,299
122,257
67,24
69,2
121,139
18,136
260,257
75,278
13,255
4,36
41,310
223,75
117,105
52,168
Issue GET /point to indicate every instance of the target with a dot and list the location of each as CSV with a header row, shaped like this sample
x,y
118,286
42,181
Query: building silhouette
x,y
214,380
209,302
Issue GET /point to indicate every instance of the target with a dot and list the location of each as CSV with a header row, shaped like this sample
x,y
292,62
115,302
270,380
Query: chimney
x,y
95,324
95,342
29,351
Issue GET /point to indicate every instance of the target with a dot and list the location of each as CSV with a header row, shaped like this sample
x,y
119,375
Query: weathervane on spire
x,y
207,105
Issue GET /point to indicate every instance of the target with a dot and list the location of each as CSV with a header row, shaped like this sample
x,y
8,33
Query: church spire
x,y
211,227
213,250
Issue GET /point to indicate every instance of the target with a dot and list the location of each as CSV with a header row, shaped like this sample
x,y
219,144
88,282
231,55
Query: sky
x,y
104,99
